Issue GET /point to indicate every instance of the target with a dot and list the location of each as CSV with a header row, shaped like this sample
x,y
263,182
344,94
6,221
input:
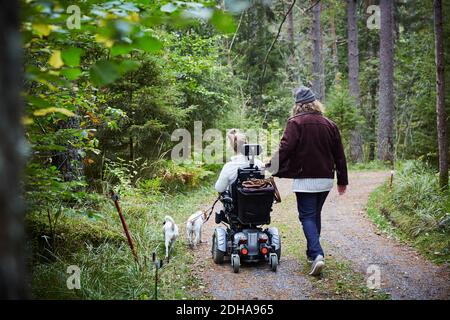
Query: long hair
x,y
314,106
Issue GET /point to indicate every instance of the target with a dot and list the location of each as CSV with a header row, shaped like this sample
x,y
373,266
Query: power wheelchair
x,y
245,212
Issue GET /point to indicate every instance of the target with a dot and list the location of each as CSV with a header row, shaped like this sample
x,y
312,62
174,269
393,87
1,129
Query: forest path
x,y
347,235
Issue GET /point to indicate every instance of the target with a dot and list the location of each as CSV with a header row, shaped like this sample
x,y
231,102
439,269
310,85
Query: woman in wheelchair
x,y
229,171
247,207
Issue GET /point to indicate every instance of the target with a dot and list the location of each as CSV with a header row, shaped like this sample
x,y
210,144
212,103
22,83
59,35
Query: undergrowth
x,y
62,235
415,210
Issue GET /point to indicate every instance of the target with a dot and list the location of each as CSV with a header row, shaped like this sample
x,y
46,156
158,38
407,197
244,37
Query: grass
x,y
415,211
374,165
99,248
412,211
338,281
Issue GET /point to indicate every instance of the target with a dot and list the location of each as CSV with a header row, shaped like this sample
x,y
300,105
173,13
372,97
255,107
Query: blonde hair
x,y
237,139
314,106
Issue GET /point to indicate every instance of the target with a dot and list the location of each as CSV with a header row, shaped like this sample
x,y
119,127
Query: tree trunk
x,y
256,18
356,143
131,148
12,146
291,70
440,95
318,86
334,47
372,120
290,27
70,162
386,99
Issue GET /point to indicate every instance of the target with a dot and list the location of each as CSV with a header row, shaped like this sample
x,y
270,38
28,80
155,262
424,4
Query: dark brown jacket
x,y
311,147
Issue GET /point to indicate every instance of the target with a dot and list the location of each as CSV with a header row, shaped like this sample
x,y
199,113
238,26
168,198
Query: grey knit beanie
x,y
304,95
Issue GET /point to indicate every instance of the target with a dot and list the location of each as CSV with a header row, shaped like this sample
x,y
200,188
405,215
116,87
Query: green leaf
x,y
128,65
119,49
71,73
223,22
37,101
148,44
71,56
104,72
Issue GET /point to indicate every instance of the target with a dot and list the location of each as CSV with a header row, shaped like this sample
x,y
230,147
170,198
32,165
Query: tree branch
x,y
276,37
312,6
235,34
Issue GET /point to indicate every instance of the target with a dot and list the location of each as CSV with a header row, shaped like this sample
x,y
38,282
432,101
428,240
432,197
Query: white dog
x,y
194,227
170,234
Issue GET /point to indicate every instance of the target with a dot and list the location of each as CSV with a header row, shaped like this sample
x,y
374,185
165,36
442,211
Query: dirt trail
x,y
347,235
404,273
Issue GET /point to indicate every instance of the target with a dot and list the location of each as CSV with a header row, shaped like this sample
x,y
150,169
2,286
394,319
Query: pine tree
x,y
386,100
356,150
318,86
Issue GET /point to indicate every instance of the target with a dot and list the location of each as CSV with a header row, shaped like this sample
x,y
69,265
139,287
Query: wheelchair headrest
x,y
251,150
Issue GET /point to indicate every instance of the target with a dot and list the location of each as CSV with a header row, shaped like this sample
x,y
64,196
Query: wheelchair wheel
x,y
236,263
217,255
278,252
273,262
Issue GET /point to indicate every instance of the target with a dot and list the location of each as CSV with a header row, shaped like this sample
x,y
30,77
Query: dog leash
x,y
212,208
206,210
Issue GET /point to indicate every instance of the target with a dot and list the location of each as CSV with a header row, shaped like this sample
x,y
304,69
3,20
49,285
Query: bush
x,y
417,209
175,177
150,186
100,249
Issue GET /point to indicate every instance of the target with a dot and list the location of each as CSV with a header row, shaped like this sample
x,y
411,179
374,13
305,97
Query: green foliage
x,y
342,110
102,101
45,186
99,248
118,86
253,40
101,104
415,87
416,209
223,22
371,165
71,56
183,177
150,186
119,176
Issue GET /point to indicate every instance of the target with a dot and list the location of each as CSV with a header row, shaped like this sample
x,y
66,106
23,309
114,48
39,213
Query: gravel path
x,y
347,235
404,273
